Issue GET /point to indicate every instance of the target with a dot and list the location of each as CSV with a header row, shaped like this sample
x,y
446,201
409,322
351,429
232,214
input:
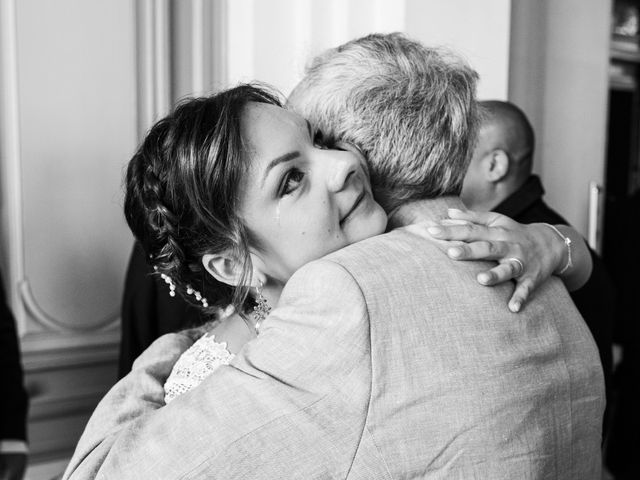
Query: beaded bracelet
x,y
567,242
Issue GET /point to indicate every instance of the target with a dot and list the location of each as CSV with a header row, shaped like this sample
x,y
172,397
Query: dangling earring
x,y
168,281
198,295
262,308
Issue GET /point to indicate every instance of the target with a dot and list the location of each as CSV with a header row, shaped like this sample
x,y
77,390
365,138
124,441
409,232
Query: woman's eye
x,y
291,181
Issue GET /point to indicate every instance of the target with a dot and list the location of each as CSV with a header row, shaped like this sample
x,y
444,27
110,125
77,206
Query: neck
x,y
434,210
494,194
272,293
503,191
483,204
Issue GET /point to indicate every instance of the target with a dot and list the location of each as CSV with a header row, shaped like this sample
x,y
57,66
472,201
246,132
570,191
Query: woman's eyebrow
x,y
287,157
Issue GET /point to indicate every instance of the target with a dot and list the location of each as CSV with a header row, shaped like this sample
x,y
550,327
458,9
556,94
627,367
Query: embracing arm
x,y
541,250
576,273
138,393
269,391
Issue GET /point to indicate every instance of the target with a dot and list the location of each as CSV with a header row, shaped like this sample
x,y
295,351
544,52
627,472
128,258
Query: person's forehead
x,y
264,116
269,131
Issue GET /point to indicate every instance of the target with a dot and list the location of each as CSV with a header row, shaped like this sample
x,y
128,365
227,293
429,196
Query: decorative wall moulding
x,y
49,322
59,407
153,61
69,351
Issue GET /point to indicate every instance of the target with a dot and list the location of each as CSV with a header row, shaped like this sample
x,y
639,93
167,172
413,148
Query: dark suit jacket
x,y
13,400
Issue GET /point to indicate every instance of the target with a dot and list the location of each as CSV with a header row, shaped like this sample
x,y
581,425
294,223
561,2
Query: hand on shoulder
x,y
526,254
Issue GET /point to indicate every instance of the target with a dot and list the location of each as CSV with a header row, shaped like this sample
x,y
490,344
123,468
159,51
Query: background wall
x,y
272,41
68,124
558,75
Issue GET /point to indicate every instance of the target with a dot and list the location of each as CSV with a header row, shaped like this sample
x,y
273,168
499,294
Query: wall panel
x,y
560,56
68,127
77,128
272,40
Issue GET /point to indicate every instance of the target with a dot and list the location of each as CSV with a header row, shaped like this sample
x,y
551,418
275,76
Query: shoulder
x,y
321,299
395,256
389,248
231,331
321,278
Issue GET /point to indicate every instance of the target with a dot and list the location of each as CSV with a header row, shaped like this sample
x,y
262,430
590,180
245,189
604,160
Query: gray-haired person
x,y
406,107
383,359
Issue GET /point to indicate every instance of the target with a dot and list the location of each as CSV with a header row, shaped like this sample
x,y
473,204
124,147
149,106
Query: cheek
x,y
315,221
309,240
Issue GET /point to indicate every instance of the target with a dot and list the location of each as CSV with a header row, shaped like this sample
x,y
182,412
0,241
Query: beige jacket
x,y
384,360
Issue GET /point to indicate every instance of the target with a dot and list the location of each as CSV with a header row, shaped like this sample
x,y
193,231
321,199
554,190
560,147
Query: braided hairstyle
x,y
182,199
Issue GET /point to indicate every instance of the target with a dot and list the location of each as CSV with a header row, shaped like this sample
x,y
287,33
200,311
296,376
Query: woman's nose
x,y
342,170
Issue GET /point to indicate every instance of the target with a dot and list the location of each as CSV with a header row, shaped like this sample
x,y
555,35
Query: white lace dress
x,y
196,364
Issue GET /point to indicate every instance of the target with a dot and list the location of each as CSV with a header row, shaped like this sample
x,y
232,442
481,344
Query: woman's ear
x,y
223,267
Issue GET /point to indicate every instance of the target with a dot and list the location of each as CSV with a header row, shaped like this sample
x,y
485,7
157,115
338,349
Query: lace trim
x,y
196,364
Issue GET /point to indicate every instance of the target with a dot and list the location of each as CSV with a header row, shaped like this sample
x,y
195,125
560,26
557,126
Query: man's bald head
x,y
502,159
511,129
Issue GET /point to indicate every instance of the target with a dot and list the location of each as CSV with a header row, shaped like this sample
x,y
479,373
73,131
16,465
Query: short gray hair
x,y
411,110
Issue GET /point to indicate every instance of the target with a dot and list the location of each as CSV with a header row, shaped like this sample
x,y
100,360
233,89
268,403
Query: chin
x,y
373,224
382,219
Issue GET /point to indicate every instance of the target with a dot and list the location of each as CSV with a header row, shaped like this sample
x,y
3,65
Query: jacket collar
x,y
430,210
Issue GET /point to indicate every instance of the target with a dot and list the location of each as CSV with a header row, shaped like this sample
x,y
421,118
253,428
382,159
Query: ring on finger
x,y
517,267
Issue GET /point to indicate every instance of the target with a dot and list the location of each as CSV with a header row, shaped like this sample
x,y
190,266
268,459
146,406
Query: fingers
x,y
453,221
524,287
496,275
502,273
516,265
466,232
509,270
481,250
484,218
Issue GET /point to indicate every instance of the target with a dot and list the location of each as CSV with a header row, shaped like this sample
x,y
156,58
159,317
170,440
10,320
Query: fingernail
x,y
484,278
455,252
515,307
454,211
434,230
454,221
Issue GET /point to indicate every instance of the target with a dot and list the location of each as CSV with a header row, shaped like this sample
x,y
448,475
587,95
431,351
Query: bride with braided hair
x,y
229,195
233,193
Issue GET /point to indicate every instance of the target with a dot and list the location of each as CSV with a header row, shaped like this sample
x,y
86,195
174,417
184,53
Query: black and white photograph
x,y
320,239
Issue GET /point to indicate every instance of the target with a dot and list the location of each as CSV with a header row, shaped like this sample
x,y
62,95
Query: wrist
x,y
564,243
